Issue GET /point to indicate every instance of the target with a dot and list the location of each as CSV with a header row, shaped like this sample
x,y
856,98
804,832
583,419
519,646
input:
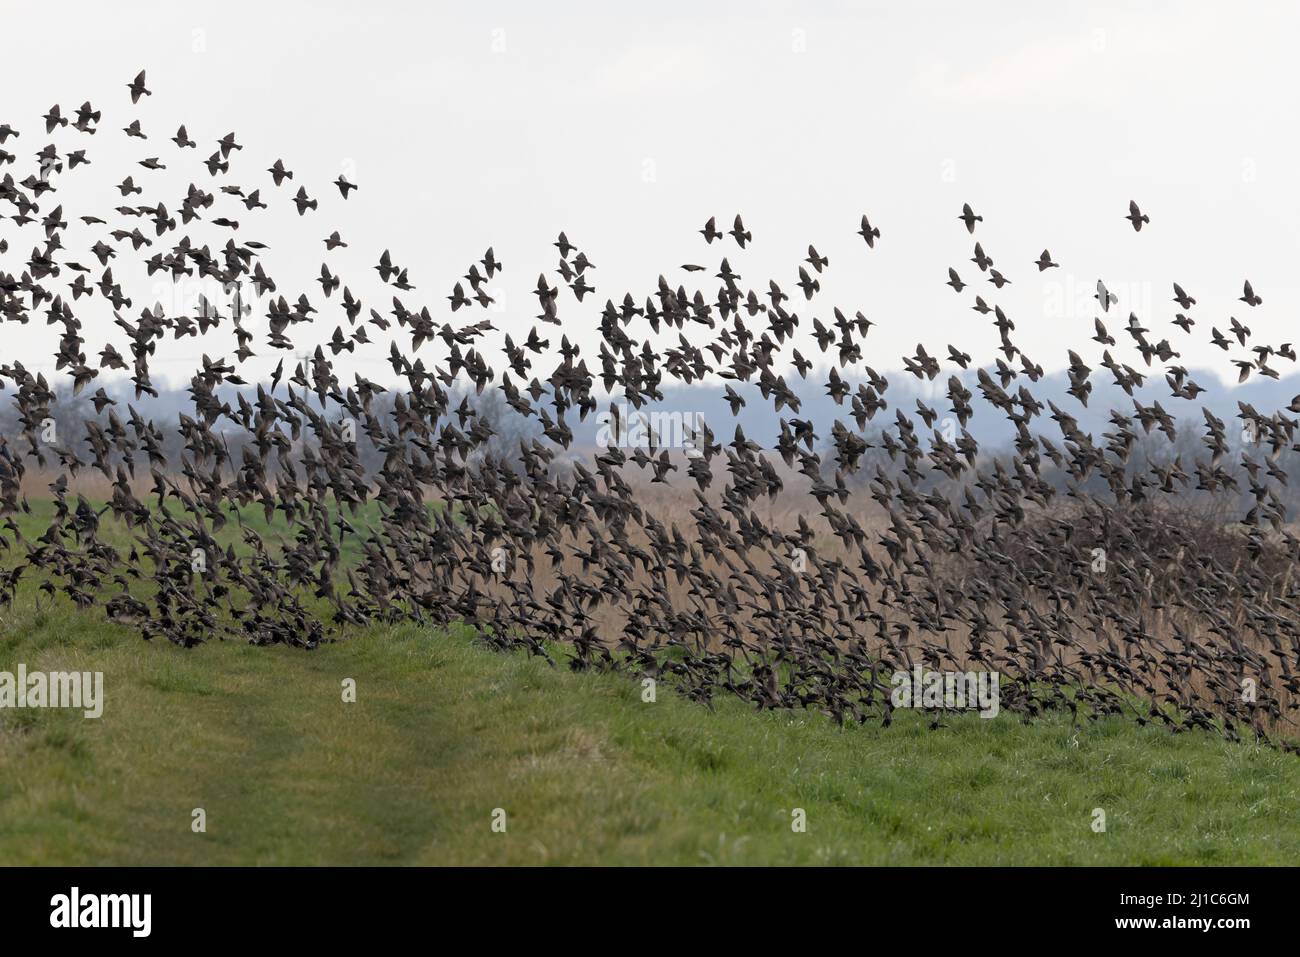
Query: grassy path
x,y
443,732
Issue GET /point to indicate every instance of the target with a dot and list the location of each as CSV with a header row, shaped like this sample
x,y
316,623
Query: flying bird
x,y
1136,216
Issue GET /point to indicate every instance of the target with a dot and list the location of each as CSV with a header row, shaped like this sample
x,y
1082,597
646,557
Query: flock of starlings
x,y
973,562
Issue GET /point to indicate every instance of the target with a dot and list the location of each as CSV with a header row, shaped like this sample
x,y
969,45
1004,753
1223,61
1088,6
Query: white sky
x,y
471,125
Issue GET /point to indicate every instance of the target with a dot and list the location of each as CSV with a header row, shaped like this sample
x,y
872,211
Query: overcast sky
x,y
469,125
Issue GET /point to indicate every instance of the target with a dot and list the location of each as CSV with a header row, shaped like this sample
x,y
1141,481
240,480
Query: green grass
x,y
251,518
444,731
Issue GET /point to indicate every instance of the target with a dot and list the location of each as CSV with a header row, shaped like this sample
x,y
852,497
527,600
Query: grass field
x,y
444,731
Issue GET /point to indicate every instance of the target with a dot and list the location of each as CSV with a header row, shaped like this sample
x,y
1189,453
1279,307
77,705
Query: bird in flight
x,y
1136,216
